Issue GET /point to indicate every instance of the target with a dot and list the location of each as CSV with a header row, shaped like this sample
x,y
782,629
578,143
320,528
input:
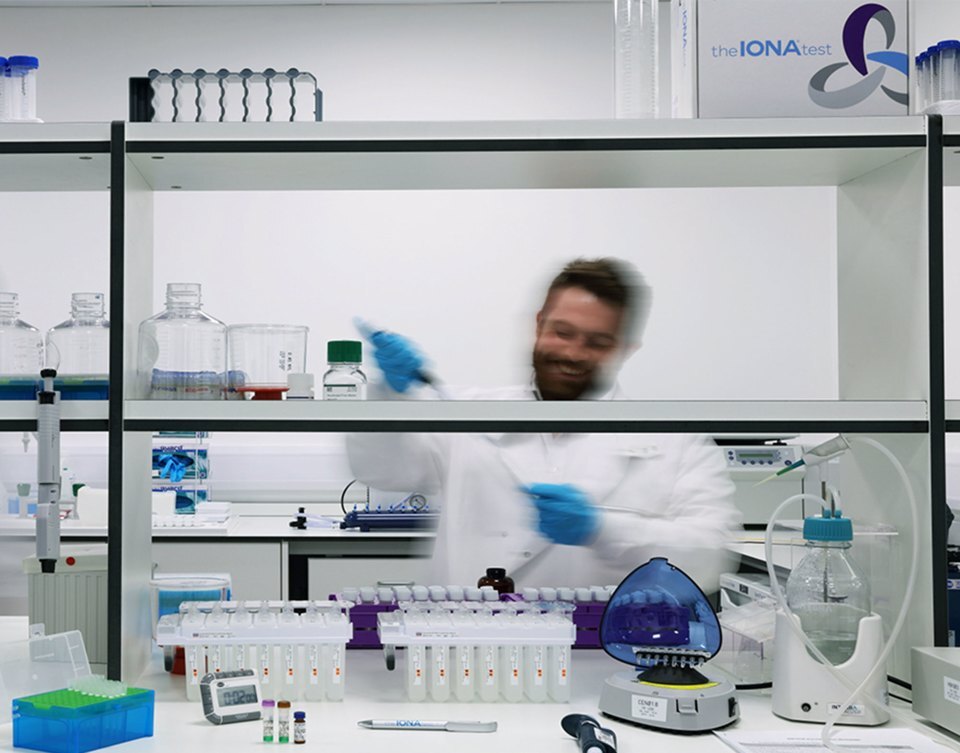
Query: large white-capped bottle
x,y
636,53
182,350
80,346
21,352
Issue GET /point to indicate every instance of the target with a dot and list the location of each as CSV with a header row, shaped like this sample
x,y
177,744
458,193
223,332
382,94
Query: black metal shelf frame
x,y
119,148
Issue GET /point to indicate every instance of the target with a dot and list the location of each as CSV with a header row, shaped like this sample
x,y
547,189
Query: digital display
x,y
756,455
237,696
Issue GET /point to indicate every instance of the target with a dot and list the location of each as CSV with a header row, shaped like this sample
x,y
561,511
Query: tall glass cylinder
x,y
636,58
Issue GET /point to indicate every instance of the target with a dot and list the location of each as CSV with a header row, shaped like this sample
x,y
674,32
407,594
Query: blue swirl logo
x,y
854,42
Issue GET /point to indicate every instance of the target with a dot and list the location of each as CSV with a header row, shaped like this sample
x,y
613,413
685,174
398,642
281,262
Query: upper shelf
x,y
529,416
498,155
75,415
54,157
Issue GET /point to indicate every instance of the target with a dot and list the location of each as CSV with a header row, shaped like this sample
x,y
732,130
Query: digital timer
x,y
229,697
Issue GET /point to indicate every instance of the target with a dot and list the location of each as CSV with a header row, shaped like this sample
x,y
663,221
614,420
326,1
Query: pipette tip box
x,y
67,721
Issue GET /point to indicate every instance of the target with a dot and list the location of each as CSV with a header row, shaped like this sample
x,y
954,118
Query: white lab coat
x,y
675,487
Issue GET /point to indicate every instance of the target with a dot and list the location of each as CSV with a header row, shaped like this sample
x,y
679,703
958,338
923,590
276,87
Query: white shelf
x,y
54,157
70,410
953,410
517,155
516,411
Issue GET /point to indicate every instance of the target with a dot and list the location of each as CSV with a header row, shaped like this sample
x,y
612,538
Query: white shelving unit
x,y
888,385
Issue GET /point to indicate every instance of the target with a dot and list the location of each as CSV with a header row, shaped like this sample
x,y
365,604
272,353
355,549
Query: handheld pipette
x,y
819,454
368,332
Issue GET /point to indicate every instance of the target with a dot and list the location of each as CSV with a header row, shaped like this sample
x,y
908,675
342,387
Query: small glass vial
x,y
266,713
344,380
496,577
283,721
299,727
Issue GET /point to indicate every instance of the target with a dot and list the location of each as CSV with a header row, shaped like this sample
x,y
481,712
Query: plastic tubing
x,y
826,734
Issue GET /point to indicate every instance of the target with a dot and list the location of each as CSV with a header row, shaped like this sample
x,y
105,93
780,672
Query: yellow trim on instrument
x,y
703,686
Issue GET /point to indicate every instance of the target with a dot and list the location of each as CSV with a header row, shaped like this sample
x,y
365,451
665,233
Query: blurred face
x,y
578,346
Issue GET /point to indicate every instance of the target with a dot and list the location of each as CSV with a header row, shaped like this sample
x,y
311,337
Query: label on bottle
x,y
514,665
489,665
299,732
538,665
465,666
314,665
417,667
289,652
337,671
440,659
343,392
561,666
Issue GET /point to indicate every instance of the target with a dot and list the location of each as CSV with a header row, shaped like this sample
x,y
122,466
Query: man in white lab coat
x,y
560,509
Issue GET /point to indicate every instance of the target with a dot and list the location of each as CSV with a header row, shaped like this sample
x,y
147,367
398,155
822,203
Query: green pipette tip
x,y
781,472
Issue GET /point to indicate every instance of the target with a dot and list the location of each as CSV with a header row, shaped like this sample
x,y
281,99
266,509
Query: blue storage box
x,y
66,721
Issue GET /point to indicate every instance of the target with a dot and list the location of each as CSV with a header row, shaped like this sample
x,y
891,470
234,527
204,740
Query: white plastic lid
x,y
472,594
350,594
368,594
420,593
584,594
531,594
385,595
566,594
455,593
438,593
548,594
40,665
403,593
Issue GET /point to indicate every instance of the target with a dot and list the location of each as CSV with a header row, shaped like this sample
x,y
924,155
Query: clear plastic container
x,y
21,80
182,350
827,590
21,352
344,380
80,346
949,50
262,356
636,41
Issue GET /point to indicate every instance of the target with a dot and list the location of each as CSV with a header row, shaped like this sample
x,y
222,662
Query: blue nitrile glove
x,y
397,358
567,516
173,468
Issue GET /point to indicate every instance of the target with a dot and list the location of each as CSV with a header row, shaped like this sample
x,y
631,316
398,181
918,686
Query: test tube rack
x,y
370,601
469,650
297,648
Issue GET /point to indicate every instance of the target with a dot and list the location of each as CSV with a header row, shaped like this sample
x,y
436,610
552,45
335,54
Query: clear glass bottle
x,y
344,380
21,352
182,350
80,346
827,590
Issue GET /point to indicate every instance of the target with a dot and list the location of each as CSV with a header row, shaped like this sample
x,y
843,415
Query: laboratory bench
x,y
267,559
374,693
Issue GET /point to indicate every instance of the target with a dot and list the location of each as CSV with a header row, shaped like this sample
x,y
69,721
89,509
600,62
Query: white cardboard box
x,y
795,58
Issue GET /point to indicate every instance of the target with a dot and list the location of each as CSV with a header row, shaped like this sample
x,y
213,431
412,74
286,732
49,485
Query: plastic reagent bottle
x,y
21,351
21,94
827,590
344,380
80,346
283,721
636,51
267,715
182,350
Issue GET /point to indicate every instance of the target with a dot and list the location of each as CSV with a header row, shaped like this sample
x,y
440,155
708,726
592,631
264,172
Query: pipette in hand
x,y
410,363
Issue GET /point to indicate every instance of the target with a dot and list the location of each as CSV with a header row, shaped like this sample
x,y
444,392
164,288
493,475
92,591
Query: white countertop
x,y
375,693
258,527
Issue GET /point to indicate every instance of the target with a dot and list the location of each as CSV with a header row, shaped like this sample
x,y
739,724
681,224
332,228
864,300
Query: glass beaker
x,y
261,356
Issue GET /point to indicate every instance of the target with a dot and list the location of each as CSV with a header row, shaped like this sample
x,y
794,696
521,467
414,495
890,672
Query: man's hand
x,y
566,514
398,358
